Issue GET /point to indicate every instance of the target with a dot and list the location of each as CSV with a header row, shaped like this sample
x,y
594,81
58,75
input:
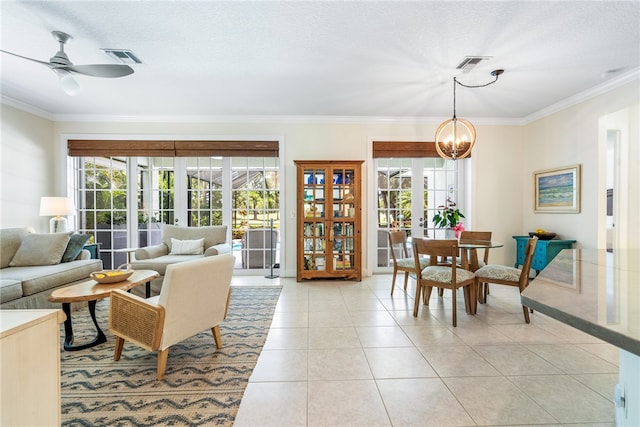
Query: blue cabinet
x,y
545,251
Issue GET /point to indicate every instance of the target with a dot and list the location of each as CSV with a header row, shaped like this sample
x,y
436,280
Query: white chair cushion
x,y
410,262
442,274
500,272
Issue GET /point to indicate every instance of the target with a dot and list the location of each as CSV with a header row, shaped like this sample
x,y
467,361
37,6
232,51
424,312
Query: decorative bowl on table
x,y
122,273
543,236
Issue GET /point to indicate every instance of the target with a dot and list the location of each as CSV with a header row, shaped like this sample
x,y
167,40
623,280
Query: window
x,y
409,191
122,201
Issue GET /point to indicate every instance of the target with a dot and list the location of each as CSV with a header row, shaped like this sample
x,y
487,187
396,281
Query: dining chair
x,y
477,237
441,274
510,276
401,259
475,262
194,298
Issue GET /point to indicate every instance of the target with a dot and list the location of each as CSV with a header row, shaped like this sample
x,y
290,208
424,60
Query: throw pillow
x,y
40,249
74,247
187,247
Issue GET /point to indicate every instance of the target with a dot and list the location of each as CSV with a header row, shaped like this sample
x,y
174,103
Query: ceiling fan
x,y
63,67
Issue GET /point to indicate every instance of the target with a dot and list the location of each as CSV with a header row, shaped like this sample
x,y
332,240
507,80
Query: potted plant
x,y
448,217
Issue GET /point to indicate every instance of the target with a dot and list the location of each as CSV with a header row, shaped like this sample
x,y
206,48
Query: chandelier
x,y
456,137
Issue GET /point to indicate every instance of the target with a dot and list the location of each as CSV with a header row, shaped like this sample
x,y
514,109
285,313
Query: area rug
x,y
202,385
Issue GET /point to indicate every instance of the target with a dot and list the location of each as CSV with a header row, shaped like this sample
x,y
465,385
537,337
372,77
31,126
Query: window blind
x,y
131,148
404,149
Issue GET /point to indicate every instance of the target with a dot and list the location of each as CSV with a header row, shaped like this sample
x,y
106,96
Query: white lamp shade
x,y
57,206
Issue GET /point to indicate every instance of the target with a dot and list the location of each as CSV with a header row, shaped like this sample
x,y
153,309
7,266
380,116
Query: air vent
x,y
125,56
470,62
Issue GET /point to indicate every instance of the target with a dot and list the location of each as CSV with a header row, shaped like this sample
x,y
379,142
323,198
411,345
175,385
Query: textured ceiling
x,y
376,59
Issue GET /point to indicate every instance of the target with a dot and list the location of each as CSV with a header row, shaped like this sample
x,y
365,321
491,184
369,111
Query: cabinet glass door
x,y
314,220
343,215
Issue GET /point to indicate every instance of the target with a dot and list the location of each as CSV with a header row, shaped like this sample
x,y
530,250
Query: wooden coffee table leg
x,y
68,329
147,290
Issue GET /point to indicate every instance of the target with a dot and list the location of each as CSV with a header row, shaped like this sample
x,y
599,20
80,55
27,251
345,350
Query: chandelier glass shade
x,y
455,138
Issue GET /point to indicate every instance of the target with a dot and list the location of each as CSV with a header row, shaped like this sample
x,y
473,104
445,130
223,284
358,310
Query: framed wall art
x,y
557,190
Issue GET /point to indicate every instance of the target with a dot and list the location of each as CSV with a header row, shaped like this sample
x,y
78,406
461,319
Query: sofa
x,y
180,243
33,265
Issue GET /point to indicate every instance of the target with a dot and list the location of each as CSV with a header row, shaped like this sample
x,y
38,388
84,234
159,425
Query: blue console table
x,y
546,250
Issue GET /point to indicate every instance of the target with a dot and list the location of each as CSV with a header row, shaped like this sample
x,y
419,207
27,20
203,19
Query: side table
x,y
546,251
92,291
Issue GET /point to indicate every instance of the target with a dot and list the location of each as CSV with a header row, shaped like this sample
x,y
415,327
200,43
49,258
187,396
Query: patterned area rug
x,y
202,385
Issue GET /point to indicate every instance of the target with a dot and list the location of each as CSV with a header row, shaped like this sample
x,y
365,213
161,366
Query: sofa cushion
x,y
10,240
40,278
212,235
10,290
74,247
187,247
40,249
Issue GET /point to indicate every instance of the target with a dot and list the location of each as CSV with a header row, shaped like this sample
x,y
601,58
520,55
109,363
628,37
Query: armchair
x,y
158,257
194,297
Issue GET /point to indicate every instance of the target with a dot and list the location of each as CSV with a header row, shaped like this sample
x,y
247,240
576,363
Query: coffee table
x,y
91,291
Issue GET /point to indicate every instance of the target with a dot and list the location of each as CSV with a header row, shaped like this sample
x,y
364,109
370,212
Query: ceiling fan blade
x,y
68,83
99,70
27,58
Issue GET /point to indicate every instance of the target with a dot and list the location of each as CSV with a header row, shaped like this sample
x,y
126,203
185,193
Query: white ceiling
x,y
383,59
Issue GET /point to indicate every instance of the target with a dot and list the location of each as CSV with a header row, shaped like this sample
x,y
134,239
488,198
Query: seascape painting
x,y
557,190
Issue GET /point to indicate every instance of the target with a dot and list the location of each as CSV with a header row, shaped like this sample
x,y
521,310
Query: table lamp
x,y
59,208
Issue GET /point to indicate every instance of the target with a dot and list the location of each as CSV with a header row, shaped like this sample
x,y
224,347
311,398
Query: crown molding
x,y
600,89
26,107
280,119
614,83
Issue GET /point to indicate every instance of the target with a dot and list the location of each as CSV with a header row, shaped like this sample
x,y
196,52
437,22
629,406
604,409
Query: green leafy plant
x,y
447,216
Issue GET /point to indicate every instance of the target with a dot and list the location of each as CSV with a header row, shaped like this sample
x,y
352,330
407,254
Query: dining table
x,y
469,252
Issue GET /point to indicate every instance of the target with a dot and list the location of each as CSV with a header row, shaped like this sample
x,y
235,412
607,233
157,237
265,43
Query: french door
x,y
122,201
409,191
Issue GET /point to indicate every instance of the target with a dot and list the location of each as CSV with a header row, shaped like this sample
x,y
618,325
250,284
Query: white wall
x,y
572,136
28,168
501,165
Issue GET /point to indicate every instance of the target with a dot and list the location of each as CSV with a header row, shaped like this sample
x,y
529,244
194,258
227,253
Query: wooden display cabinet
x,y
328,220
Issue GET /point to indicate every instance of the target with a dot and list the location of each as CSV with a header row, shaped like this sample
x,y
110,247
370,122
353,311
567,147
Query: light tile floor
x,y
343,353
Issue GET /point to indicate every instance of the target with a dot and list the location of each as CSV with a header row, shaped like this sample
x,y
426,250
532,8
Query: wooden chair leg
x,y
216,336
453,298
525,310
440,292
406,279
393,281
162,363
416,302
118,349
427,295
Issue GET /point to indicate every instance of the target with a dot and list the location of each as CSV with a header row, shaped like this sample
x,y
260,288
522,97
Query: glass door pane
x,y
156,197
255,211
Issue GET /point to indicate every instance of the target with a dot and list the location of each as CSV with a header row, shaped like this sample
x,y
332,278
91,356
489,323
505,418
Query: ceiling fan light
x,y
455,138
68,83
